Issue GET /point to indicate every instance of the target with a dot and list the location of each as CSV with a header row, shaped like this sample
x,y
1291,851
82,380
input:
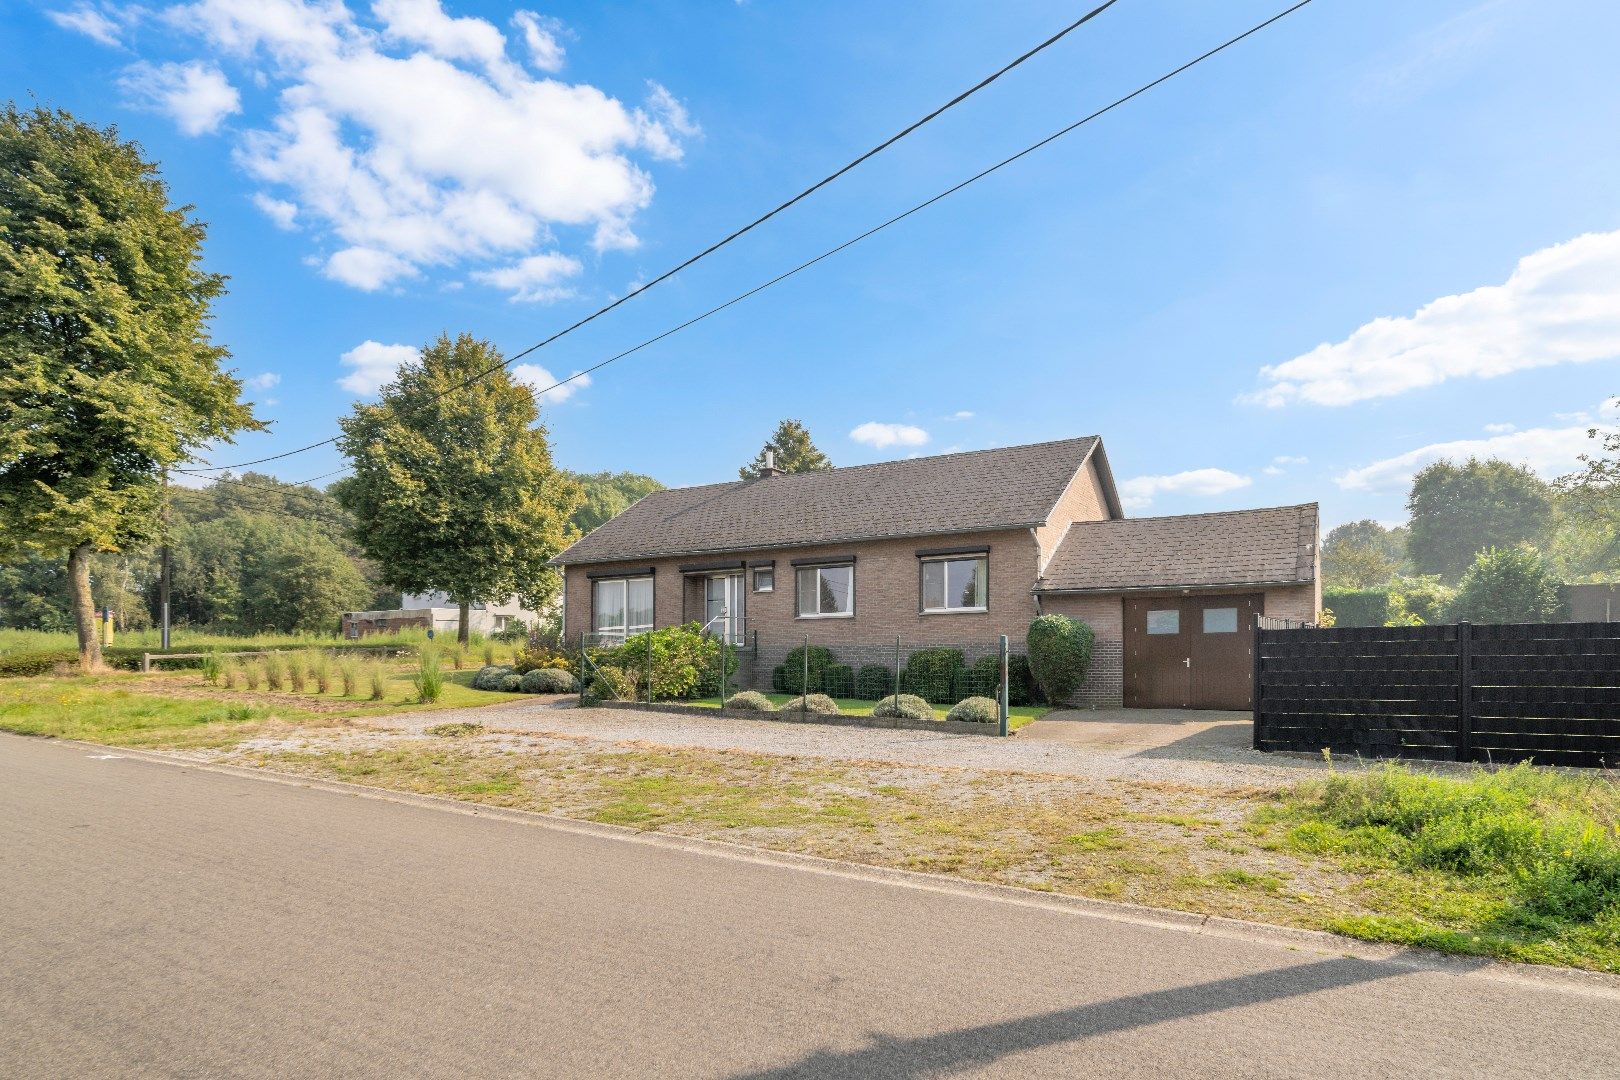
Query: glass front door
x,y
723,606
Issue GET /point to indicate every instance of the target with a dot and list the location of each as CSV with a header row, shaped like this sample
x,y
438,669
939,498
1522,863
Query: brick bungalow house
x,y
954,550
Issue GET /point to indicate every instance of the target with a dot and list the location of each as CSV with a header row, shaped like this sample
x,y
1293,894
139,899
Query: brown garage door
x,y
1190,652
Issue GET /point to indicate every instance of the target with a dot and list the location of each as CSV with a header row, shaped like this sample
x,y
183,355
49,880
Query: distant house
x,y
954,550
437,612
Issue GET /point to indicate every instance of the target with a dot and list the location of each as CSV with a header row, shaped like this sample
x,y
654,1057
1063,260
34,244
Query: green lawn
x,y
1017,716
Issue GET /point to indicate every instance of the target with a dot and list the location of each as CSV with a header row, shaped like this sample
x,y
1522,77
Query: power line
x,y
717,245
953,189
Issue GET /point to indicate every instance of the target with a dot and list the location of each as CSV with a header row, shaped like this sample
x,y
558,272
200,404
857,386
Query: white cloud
x,y
1561,305
873,433
405,140
1549,451
961,414
374,366
1139,492
536,278
1501,429
87,21
283,213
540,34
544,383
1282,463
196,94
262,381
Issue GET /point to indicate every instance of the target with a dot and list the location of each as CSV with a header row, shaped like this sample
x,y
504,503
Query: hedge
x,y
1357,607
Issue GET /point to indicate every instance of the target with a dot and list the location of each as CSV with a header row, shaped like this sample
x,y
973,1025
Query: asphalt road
x,y
161,921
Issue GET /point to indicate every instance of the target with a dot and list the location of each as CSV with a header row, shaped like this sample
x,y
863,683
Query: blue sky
x,y
1377,233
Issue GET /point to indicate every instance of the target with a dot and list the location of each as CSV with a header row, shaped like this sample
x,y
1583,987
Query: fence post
x,y
1465,704
1002,697
897,673
649,668
804,688
580,664
722,672
1254,683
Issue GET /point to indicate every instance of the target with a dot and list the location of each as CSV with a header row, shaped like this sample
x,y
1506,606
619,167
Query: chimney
x,y
770,468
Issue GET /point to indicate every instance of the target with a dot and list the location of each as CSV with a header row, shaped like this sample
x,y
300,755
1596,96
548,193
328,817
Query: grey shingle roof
x,y
1013,487
1238,547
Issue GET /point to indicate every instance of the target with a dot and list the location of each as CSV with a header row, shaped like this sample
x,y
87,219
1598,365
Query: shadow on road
x,y
977,1046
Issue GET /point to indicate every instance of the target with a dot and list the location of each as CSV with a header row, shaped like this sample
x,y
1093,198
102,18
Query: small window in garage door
x,y
1164,621
1220,620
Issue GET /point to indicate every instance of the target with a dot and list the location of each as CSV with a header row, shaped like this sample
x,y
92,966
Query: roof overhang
x,y
837,542
1096,590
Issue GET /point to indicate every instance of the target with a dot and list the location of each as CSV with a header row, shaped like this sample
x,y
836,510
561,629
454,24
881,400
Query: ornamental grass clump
x,y
274,673
377,676
233,674
429,679
211,668
905,707
297,671
349,673
489,654
323,673
254,674
820,704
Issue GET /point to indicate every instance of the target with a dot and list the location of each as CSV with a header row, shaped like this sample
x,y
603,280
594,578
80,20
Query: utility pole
x,y
163,573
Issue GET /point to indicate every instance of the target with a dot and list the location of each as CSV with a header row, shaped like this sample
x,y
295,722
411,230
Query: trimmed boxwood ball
x,y
873,681
1059,655
812,703
978,710
906,706
511,683
549,681
489,678
750,701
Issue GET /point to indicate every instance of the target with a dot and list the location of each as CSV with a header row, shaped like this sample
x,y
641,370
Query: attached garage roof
x,y
1013,487
1271,546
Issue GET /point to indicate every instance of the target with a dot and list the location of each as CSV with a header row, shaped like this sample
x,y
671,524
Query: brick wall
x,y
1083,500
1104,687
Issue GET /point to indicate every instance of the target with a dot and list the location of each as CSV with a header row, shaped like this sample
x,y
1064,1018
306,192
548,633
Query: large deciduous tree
x,y
453,487
606,494
107,372
792,449
1460,510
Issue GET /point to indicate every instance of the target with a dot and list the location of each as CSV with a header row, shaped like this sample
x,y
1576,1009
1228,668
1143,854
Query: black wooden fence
x,y
1548,692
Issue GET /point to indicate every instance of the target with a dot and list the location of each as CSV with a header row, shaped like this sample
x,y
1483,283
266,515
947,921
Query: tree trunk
x,y
84,609
463,630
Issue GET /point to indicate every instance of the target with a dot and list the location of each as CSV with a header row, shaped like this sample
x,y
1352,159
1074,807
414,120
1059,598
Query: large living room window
x,y
955,584
622,606
826,592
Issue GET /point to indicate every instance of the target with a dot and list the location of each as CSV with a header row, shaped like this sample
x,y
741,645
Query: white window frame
x,y
626,630
817,569
754,580
948,609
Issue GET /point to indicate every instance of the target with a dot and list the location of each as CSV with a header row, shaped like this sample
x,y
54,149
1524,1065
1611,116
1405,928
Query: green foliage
x,y
511,684
684,662
107,373
609,683
547,680
212,668
605,495
1514,585
1555,839
873,681
810,703
349,673
750,701
1594,490
905,706
535,655
30,664
838,680
377,676
1357,607
933,674
275,672
321,668
477,516
1362,554
1059,655
1424,600
429,678
1458,511
978,710
794,451
793,669
1021,690
490,675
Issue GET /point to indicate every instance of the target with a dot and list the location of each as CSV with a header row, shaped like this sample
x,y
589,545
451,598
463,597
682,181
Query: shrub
x,y
512,684
873,681
1021,688
907,706
1507,585
535,656
838,680
1059,655
750,701
490,676
933,674
684,662
29,664
978,710
429,680
1358,607
513,632
793,669
211,668
545,680
611,684
811,703
1419,600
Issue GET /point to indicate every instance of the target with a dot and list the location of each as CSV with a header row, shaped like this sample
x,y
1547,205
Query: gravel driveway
x,y
1201,761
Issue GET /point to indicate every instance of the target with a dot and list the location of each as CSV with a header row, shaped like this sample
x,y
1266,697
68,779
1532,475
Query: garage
x,y
1190,652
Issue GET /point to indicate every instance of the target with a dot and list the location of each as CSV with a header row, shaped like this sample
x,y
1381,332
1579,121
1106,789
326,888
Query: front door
x,y
1190,652
723,606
